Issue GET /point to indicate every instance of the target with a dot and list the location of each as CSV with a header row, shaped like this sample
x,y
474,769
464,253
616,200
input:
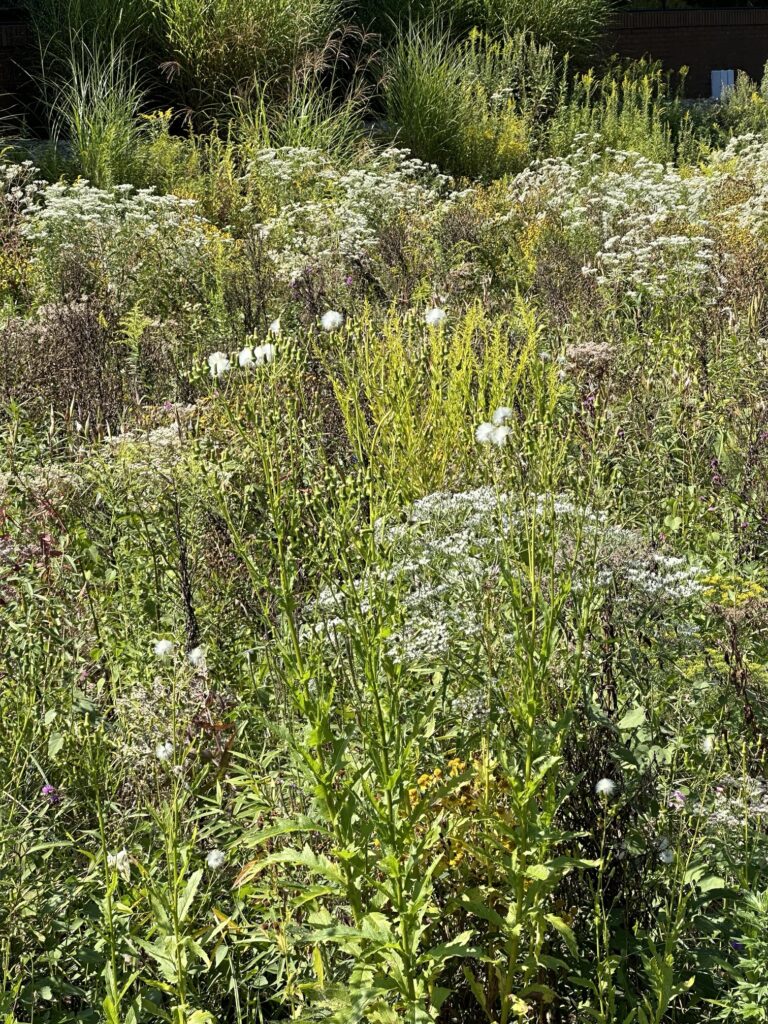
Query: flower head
x,y
264,354
120,862
490,433
164,751
164,648
216,860
245,358
605,788
196,657
434,316
501,415
274,328
218,363
331,320
51,794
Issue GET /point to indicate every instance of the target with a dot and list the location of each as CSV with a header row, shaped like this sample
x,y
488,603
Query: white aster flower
x,y
164,751
434,316
331,321
501,415
245,358
164,648
606,788
216,859
121,863
219,363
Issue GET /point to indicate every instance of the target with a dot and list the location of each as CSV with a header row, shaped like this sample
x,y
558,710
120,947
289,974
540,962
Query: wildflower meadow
x,y
383,522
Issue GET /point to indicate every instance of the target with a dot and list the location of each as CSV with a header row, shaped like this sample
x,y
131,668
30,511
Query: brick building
x,y
703,41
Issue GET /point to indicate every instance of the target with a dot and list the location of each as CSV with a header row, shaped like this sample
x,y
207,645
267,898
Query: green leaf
x,y
565,931
633,719
55,744
188,895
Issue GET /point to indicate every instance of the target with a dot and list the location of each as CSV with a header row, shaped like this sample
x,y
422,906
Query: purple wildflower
x,y
51,794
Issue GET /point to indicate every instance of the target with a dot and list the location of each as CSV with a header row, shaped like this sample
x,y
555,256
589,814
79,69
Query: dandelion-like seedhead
x,y
606,788
164,751
164,648
218,363
434,316
331,320
216,860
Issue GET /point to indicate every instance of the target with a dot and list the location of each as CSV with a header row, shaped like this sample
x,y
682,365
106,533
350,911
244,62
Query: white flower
x,y
196,657
164,751
606,788
219,363
121,863
502,414
708,744
246,357
331,321
216,859
164,648
434,316
274,327
264,354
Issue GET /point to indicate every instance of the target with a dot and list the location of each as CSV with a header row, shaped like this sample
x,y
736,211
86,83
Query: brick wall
x,y
700,40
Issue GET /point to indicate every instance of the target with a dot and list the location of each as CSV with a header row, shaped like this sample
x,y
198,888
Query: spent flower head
x,y
216,860
606,788
331,320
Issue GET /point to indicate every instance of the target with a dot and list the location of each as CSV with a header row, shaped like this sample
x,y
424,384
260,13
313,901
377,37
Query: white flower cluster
x,y
133,241
337,220
443,563
650,229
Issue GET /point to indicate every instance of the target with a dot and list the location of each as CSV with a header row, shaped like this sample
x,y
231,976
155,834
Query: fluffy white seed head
x,y
163,648
484,433
434,316
218,363
164,751
500,436
196,657
216,859
331,320
501,415
245,358
264,354
605,788
274,328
